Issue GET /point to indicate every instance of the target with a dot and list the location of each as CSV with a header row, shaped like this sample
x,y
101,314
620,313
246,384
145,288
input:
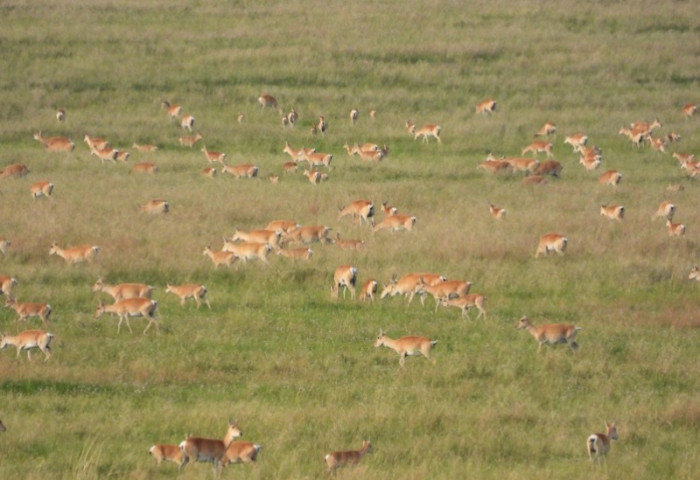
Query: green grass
x,y
294,368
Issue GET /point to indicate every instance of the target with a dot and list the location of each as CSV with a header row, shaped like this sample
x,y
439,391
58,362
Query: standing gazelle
x,y
131,307
192,290
73,255
405,346
551,333
344,276
27,340
598,444
349,457
209,449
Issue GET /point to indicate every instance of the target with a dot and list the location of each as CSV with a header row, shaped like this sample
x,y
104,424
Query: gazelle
x,y
590,161
208,172
309,234
406,346
296,153
551,333
163,452
636,136
547,129
145,148
95,143
443,290
689,110
248,250
354,114
521,164
241,452
73,255
282,226
428,130
123,156
7,283
320,126
537,147
267,100
549,167
675,229
496,166
145,167
465,302
694,274
292,117
123,290
372,155
240,117
388,210
299,253
41,189
314,176
289,167
344,276
4,245
219,257
577,140
209,449
598,444
551,242
645,127
155,207
27,340
368,290
396,223
173,110
14,170
486,106
362,210
30,309
612,212
534,180
497,212
666,210
188,140
346,244
611,177
61,115
55,144
104,154
271,237
350,457
187,122
214,156
407,284
131,307
191,290
317,159
243,170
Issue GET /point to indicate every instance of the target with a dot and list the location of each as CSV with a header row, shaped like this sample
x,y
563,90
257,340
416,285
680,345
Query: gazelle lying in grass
x,y
551,242
344,276
406,346
190,290
209,449
350,457
123,290
163,452
145,167
612,212
73,255
155,207
551,333
299,253
30,309
241,452
144,147
27,340
131,307
598,444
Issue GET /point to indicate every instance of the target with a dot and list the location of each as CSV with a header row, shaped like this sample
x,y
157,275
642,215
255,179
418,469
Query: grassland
x,y
296,369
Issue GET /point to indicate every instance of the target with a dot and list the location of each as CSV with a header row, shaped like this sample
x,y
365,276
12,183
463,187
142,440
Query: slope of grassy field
x,y
296,369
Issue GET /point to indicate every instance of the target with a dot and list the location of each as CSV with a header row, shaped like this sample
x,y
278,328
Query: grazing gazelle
x,y
163,452
191,290
123,290
612,212
55,144
362,210
213,156
41,189
406,346
27,340
428,130
551,242
368,290
267,100
551,333
73,255
598,444
131,307
549,167
486,106
244,170
349,457
465,302
344,276
211,450
30,309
